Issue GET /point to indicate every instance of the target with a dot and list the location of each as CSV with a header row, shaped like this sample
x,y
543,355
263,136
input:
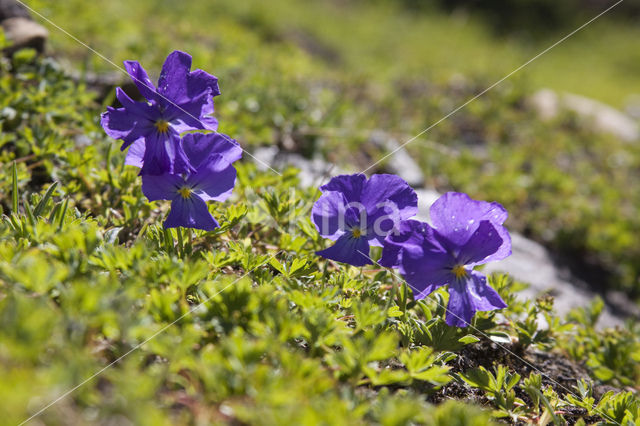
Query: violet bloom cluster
x,y
357,213
187,170
465,233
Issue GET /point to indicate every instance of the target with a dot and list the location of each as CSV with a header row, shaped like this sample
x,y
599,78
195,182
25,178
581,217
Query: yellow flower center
x,y
459,271
162,126
185,191
357,232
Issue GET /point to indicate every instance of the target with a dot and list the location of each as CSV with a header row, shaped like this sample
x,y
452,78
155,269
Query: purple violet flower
x,y
465,233
182,101
357,213
214,177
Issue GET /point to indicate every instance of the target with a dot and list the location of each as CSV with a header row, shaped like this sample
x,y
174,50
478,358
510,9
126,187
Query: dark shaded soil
x,y
556,370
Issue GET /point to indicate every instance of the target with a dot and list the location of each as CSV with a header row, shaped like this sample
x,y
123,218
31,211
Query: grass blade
x,y
54,212
43,203
180,242
168,241
14,195
109,172
29,211
64,212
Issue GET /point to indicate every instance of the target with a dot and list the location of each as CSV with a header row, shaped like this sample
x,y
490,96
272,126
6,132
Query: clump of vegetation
x,y
245,324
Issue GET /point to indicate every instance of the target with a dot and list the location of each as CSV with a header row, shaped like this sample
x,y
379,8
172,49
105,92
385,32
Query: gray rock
x,y
400,162
632,107
426,197
264,156
12,9
22,33
531,263
546,103
20,29
601,117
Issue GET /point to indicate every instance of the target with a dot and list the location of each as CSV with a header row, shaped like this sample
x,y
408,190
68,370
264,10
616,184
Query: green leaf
x,y
278,266
469,338
478,378
500,337
45,199
437,375
394,311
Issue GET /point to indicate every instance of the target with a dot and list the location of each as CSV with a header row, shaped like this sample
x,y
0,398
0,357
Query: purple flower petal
x,y
173,78
484,242
194,114
352,205
161,187
347,249
350,185
407,235
199,81
422,261
199,147
130,123
164,154
333,216
117,123
141,79
457,216
505,249
466,297
140,109
390,256
327,215
135,154
427,271
383,221
485,297
214,179
159,155
388,199
392,192
190,212
429,257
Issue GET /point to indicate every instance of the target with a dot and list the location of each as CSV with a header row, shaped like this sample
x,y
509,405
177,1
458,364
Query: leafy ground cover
x,y
245,325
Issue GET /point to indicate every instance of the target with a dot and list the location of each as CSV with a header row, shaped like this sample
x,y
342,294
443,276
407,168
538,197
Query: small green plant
x,y
498,389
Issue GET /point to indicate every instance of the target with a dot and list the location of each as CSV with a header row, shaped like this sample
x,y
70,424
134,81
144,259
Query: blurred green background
x,y
380,40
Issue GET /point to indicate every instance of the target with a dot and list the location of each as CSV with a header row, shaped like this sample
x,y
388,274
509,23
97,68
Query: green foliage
x,y
612,355
498,388
246,324
620,409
